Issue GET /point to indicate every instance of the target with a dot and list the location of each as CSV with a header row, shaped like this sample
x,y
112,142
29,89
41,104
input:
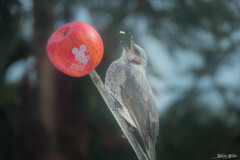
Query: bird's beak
x,y
124,46
132,43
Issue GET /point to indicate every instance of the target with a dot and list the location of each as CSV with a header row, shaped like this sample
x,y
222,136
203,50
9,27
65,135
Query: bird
x,y
127,84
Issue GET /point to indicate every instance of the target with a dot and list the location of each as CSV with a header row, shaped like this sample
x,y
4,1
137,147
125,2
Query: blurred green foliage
x,y
83,126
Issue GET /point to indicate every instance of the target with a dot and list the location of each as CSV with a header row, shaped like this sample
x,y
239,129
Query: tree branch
x,y
122,123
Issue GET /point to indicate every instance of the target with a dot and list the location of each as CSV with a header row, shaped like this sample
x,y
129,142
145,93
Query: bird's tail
x,y
151,151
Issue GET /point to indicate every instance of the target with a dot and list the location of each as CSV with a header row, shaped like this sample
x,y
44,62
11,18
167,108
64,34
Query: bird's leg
x,y
117,104
118,107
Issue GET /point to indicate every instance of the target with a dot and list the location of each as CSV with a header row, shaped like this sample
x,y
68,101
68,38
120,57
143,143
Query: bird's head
x,y
135,54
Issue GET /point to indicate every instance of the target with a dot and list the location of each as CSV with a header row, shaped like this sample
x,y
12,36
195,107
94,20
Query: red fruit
x,y
76,49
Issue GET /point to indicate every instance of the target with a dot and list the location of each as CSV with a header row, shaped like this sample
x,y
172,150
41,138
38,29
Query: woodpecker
x,y
127,83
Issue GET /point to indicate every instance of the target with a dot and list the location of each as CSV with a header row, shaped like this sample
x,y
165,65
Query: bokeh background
x,y
194,70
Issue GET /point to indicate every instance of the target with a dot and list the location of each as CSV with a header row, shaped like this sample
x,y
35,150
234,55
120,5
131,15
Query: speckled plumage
x,y
126,81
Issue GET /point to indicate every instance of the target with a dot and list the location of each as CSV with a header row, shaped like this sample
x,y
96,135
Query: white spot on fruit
x,y
77,67
81,57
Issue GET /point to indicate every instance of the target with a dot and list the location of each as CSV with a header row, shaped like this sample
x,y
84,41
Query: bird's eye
x,y
137,52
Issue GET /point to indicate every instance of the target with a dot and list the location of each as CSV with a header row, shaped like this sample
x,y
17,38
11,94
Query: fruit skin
x,y
76,48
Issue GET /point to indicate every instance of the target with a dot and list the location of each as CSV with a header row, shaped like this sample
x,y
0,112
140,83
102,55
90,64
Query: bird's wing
x,y
115,76
138,98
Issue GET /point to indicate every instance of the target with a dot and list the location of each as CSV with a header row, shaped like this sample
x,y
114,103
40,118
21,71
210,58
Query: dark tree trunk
x,y
44,20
